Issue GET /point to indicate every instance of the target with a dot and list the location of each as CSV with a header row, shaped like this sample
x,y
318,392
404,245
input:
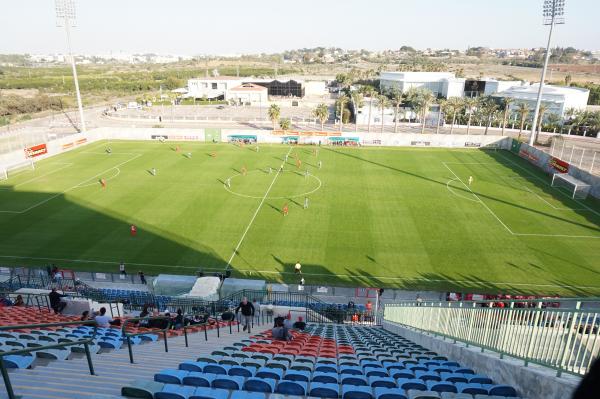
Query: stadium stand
x,y
347,362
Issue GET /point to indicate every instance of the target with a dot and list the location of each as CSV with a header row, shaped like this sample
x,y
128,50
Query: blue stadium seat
x,y
423,395
350,379
356,392
464,370
192,366
242,371
326,368
197,379
274,374
266,385
231,382
480,379
302,366
355,370
408,384
247,395
471,388
170,376
297,388
209,393
323,390
389,393
444,386
171,391
216,369
503,390
403,374
325,378
427,376
295,375
385,382
376,371
454,377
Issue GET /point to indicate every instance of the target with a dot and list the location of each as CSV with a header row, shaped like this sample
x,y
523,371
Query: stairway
x,y
70,379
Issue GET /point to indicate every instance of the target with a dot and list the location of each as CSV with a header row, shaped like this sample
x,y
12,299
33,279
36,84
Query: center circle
x,y
289,184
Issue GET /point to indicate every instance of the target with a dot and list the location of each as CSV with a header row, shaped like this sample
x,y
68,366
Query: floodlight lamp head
x,y
553,12
65,12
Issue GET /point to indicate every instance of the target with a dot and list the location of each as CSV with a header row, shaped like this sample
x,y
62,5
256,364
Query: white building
x,y
441,84
212,87
248,94
557,98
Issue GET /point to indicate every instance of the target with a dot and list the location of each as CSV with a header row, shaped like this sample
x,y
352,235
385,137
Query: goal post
x,y
8,170
577,189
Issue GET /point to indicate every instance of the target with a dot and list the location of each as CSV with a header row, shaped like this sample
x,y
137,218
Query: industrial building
x,y
441,84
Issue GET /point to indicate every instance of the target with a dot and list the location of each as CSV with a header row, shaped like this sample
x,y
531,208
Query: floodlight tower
x,y
65,16
553,13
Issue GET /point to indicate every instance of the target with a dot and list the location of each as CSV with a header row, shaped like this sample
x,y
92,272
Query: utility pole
x,y
553,13
65,16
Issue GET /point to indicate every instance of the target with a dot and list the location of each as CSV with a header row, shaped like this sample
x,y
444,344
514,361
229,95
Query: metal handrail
x,y
41,300
565,340
85,342
138,319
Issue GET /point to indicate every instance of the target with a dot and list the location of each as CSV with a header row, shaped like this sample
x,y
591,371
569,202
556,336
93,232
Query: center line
x,y
256,213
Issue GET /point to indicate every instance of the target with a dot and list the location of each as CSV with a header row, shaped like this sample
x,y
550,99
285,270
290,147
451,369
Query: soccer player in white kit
x,y
470,180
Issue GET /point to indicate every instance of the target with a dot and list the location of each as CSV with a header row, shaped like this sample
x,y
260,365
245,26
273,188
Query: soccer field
x,y
381,217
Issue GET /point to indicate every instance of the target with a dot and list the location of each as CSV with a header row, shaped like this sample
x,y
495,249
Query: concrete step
x,y
70,379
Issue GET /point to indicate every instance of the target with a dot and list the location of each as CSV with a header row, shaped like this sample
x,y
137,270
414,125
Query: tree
x,y
568,79
321,112
398,99
357,103
285,123
341,104
369,91
421,99
489,109
442,111
523,112
454,104
506,101
543,110
383,102
470,105
274,114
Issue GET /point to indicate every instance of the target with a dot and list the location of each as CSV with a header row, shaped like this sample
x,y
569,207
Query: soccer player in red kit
x,y
133,230
285,210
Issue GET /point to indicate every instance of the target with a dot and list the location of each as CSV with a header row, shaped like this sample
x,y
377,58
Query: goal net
x,y
7,171
576,188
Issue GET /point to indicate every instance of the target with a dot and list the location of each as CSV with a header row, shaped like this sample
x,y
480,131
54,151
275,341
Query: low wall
x,y
531,382
551,165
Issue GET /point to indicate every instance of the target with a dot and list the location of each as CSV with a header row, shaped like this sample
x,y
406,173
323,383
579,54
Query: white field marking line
x,y
73,187
520,234
458,195
288,196
262,201
108,154
550,205
276,272
479,199
471,163
66,165
545,182
107,179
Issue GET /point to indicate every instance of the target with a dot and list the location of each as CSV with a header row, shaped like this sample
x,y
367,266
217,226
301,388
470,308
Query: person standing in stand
x,y
247,313
122,269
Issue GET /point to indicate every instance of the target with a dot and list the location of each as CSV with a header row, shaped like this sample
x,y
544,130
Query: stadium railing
x,y
40,301
555,333
85,342
128,336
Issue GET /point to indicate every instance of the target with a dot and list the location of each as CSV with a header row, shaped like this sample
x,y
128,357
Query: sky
x,y
196,27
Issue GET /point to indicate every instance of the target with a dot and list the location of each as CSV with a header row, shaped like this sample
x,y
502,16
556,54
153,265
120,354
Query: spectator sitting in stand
x,y
287,322
19,301
178,322
300,324
279,332
85,315
102,319
55,303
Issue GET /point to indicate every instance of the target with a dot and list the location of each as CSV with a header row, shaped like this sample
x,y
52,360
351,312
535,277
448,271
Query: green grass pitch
x,y
381,217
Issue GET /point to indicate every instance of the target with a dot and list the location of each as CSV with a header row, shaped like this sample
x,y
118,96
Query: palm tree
x,y
523,112
369,91
543,110
489,110
341,103
357,103
443,104
398,99
507,101
274,114
422,99
470,106
321,112
383,103
285,123
455,104
570,116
